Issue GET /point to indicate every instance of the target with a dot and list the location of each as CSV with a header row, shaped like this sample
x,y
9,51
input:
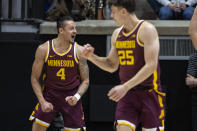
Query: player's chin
x,y
72,40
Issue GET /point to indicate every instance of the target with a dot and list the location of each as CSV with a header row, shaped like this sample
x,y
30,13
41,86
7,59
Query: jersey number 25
x,y
126,57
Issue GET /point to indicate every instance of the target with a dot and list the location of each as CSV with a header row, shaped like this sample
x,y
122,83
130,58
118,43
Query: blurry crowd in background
x,y
173,9
99,9
78,9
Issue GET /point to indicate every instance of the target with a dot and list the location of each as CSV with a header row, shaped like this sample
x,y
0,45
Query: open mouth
x,y
73,36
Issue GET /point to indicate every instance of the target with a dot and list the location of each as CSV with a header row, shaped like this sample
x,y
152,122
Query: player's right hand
x,y
46,106
72,100
87,51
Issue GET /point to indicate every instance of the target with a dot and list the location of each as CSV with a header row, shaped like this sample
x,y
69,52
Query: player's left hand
x,y
72,100
189,80
117,92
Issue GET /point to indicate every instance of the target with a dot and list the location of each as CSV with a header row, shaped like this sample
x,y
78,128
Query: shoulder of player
x,y
115,35
42,49
147,30
116,32
78,47
78,50
147,27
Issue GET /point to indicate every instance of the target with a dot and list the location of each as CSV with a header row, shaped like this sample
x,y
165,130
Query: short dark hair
x,y
129,5
60,21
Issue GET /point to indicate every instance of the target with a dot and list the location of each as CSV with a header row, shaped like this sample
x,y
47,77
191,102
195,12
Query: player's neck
x,y
130,22
61,43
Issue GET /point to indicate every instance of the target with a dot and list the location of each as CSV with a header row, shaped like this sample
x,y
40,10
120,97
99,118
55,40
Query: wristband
x,y
77,96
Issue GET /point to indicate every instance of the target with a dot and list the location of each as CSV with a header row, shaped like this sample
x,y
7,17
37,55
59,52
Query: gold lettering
x,y
72,64
125,44
49,63
61,63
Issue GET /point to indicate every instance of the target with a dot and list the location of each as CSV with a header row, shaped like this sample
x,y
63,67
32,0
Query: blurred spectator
x,y
155,5
89,9
191,79
176,9
56,8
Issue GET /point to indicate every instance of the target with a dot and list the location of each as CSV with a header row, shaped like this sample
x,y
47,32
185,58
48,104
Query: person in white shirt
x,y
176,9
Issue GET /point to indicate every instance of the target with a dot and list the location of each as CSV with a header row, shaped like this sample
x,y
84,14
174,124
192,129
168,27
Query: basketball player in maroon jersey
x,y
66,79
134,50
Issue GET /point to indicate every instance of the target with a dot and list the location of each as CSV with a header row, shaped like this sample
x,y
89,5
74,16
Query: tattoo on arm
x,y
84,74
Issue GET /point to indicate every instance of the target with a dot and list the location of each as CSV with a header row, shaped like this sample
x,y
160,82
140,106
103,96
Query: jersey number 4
x,y
61,74
126,57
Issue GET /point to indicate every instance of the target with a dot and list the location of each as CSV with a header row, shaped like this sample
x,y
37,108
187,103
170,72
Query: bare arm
x,y
35,75
111,62
36,72
150,39
84,74
193,29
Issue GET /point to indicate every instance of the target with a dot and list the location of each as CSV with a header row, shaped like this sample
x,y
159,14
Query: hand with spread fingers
x,y
117,92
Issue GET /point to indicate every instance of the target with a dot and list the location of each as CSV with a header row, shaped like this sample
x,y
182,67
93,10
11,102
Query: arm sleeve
x,y
192,65
191,2
164,2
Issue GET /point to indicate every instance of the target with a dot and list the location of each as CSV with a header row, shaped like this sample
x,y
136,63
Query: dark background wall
x,y
18,100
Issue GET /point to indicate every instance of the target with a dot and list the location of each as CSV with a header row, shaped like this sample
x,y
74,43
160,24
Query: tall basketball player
x,y
134,50
66,79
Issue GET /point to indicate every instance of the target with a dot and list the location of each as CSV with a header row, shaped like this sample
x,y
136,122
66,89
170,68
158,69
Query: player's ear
x,y
124,11
60,30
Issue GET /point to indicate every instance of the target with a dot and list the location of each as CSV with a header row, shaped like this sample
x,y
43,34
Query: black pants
x,y
194,111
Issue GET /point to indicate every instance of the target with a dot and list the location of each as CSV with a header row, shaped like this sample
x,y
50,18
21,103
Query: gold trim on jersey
x,y
61,54
74,129
127,123
155,84
149,129
31,116
75,52
47,53
42,123
44,76
162,114
161,128
138,40
160,101
130,32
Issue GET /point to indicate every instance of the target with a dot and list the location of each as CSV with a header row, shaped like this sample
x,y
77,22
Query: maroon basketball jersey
x,y
61,69
131,57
